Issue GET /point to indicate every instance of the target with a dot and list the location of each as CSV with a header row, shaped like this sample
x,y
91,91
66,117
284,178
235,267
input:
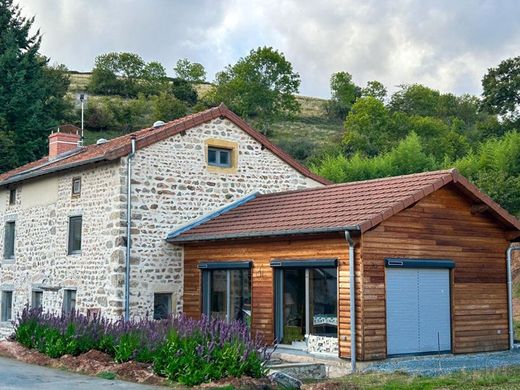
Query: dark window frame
x,y
77,192
72,248
12,196
38,293
9,240
218,157
69,300
7,310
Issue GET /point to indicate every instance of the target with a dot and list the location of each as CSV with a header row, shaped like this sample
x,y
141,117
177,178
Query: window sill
x,y
215,169
78,253
9,260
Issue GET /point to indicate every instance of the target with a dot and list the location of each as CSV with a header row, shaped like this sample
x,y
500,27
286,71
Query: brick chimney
x,y
65,139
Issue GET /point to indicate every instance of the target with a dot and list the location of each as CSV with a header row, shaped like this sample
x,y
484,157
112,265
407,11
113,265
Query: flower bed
x,y
179,348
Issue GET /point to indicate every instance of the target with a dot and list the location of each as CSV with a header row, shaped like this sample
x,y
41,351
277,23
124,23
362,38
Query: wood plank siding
x,y
261,253
441,226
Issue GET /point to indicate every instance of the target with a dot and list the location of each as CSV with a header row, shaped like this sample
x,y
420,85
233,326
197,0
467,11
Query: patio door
x,y
305,301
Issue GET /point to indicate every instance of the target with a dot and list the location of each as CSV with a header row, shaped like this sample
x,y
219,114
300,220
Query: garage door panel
x,y
434,310
418,310
401,311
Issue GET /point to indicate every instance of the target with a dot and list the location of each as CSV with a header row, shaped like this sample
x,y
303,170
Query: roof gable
x,y
351,206
120,147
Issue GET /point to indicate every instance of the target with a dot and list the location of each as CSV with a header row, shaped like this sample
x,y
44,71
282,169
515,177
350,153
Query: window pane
x,y
323,301
224,157
293,305
76,186
69,301
240,294
37,297
12,196
212,156
218,294
7,303
162,306
9,240
75,234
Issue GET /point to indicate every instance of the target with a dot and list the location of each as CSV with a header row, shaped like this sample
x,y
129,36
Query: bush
x,y
179,348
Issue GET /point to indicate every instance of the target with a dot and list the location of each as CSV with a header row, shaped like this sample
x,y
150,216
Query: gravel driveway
x,y
18,375
443,364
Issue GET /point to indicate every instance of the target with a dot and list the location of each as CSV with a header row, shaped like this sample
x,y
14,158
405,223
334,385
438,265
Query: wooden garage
x,y
428,250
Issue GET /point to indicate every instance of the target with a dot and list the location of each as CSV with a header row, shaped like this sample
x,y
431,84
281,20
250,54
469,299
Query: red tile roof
x,y
119,147
351,206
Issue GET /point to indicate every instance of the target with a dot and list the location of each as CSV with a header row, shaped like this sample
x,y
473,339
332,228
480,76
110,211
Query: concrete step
x,y
300,371
333,366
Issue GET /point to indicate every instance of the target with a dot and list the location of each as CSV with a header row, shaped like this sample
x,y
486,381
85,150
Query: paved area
x,y
443,364
18,375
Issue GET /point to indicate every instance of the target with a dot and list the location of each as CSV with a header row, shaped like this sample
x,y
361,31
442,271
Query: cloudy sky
x,y
445,44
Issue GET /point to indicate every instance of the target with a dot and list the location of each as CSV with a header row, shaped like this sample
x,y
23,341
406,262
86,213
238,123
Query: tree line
x,y
415,128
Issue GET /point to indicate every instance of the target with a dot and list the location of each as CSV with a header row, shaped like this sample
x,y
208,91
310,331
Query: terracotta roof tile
x,y
357,205
120,146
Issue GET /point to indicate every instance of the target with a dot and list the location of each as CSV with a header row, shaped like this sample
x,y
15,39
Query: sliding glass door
x,y
305,300
226,290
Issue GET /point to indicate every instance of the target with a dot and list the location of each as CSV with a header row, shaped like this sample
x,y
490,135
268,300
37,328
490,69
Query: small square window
x,y
76,186
7,306
69,301
162,306
75,227
9,237
12,196
37,300
219,157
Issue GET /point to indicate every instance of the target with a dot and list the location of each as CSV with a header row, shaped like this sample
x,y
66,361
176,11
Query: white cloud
x,y
446,44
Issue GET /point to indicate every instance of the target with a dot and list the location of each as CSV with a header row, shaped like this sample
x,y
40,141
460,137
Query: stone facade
x,y
171,184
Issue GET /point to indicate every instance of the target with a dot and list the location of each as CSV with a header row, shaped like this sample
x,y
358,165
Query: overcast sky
x,y
445,44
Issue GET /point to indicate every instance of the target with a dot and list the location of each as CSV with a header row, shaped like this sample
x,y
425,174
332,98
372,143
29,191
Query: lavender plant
x,y
180,348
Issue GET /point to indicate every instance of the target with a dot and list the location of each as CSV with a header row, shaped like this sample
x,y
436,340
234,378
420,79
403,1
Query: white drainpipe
x,y
352,272
128,227
510,294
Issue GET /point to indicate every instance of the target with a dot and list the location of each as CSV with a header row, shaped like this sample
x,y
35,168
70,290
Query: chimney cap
x,y
157,124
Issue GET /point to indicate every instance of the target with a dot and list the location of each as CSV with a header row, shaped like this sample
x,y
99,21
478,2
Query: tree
x,y
192,72
368,128
154,79
415,99
183,90
374,89
166,107
260,86
344,93
501,89
31,93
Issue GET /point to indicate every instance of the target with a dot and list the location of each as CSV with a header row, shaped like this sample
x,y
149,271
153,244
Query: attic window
x,y
219,157
12,196
76,186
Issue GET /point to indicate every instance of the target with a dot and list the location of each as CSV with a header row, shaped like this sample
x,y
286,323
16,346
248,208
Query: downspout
x,y
128,226
352,273
510,294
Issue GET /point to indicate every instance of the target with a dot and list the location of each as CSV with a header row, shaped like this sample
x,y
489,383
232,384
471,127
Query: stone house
x,y
64,235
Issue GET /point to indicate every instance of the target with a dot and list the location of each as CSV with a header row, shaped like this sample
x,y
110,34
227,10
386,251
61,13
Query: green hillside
x,y
309,131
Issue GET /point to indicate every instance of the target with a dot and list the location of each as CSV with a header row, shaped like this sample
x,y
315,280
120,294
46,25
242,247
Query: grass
x,y
504,378
107,375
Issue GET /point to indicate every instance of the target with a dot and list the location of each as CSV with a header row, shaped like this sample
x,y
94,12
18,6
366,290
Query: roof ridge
x,y
450,171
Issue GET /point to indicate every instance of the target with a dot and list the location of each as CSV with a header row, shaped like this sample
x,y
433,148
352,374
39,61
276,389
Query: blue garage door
x,y
417,310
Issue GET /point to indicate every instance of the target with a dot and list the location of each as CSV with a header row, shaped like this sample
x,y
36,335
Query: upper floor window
x,y
12,196
7,306
9,240
76,186
219,157
75,227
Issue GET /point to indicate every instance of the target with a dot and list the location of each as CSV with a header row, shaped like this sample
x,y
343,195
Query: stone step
x,y
300,371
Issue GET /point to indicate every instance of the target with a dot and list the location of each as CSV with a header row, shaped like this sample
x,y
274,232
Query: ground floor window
x,y
226,290
69,301
162,305
37,299
306,298
7,306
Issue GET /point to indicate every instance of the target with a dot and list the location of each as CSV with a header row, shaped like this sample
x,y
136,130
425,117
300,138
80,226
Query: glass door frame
x,y
206,267
279,266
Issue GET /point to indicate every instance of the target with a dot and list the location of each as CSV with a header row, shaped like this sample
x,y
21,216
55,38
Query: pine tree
x,y
31,92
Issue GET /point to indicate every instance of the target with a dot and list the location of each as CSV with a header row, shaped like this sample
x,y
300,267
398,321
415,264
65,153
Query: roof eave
x,y
265,234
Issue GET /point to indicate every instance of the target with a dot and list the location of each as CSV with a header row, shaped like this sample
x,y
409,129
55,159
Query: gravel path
x,y
15,375
443,364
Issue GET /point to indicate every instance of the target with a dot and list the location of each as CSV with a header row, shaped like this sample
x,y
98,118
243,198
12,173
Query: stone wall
x,y
41,244
172,185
